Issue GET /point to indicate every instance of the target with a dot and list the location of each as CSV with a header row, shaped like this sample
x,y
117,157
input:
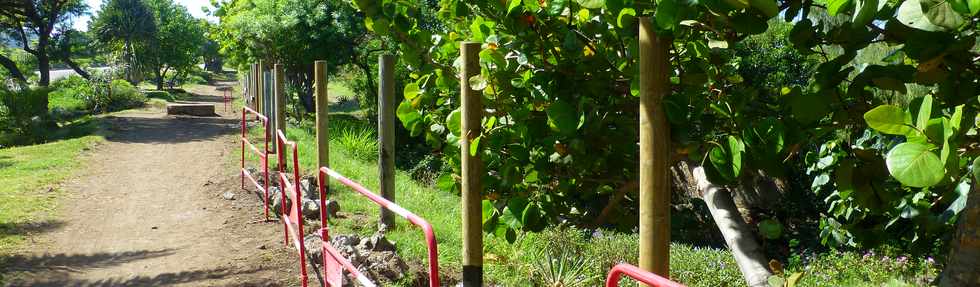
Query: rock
x,y
374,256
333,207
275,199
262,247
314,247
311,209
228,195
377,242
310,188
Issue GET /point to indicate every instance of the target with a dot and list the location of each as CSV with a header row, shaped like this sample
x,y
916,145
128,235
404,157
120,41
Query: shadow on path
x,y
164,279
28,228
170,129
28,264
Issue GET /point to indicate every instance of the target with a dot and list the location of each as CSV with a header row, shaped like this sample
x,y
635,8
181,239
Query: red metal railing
x,y
652,280
427,230
263,156
293,218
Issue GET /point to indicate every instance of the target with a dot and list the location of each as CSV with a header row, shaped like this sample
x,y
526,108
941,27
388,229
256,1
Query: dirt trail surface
x,y
149,210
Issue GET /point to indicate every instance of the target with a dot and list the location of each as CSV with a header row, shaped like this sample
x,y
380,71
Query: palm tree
x,y
128,23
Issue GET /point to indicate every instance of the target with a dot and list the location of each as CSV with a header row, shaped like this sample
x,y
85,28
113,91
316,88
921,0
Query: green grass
x,y
339,91
64,99
26,174
515,264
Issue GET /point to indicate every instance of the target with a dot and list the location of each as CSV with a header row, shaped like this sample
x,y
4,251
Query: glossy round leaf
x,y
889,119
915,165
562,117
592,4
453,122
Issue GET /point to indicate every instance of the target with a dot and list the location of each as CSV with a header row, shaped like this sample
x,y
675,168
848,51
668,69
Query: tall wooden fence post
x,y
386,136
322,115
654,153
472,167
279,101
253,101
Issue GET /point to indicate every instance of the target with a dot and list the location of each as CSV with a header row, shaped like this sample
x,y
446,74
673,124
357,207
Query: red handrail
x,y
294,216
652,280
263,156
427,230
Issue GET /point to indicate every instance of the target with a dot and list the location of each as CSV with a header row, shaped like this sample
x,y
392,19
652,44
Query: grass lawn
x,y
524,263
27,176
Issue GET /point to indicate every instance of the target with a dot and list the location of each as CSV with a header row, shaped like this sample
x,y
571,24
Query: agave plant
x,y
560,267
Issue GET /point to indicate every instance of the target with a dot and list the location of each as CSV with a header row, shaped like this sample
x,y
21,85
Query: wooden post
x,y
654,153
322,114
259,105
279,105
386,136
253,101
265,104
472,167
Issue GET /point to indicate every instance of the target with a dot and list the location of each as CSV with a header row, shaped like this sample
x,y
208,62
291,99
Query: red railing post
x,y
652,280
263,156
294,215
427,230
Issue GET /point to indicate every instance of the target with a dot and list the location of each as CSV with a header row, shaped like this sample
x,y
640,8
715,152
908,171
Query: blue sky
x,y
193,6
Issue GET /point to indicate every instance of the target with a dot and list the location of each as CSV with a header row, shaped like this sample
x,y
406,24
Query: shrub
x,y
359,143
125,96
163,95
23,115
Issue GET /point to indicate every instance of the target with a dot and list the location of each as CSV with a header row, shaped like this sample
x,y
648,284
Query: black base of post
x,y
472,276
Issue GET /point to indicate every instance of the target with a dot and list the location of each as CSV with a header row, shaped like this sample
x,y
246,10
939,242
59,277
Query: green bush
x,y
23,115
163,95
125,96
101,94
359,143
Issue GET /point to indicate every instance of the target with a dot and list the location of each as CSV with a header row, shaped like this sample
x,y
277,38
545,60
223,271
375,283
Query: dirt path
x,y
149,211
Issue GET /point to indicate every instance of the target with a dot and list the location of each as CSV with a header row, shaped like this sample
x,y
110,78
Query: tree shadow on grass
x,y
5,161
27,228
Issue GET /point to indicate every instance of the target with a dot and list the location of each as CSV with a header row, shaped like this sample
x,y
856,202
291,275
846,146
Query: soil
x,y
148,211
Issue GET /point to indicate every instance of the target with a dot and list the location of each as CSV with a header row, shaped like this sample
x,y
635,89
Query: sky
x,y
193,6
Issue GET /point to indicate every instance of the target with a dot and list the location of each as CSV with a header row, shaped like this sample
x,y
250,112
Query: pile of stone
x,y
311,196
374,256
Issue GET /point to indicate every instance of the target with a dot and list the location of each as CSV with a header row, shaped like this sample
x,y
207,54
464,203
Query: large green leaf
x,y
910,14
889,119
915,165
666,14
453,122
835,6
592,4
409,117
807,107
925,112
562,117
941,13
768,7
411,91
865,11
974,6
513,5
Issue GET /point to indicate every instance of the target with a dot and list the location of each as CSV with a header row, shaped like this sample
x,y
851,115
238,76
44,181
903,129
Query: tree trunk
x,y
43,63
738,235
12,68
963,265
159,76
